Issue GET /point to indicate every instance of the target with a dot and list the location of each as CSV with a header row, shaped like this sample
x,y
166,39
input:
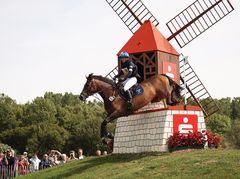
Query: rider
x,y
130,79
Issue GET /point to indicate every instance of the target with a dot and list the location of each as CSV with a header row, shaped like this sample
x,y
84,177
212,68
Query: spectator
x,y
72,155
45,163
51,157
23,165
25,154
55,160
80,154
2,160
35,161
2,165
11,162
98,152
62,157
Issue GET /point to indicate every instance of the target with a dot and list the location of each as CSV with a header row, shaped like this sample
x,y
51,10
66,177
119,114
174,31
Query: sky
x,y
51,45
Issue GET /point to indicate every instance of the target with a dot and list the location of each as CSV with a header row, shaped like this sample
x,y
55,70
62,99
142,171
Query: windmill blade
x,y
196,19
196,91
132,12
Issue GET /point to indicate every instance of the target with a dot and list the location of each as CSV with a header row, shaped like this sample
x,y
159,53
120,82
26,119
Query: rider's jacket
x,y
132,69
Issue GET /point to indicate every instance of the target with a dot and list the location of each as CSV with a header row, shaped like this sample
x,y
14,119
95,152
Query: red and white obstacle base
x,y
148,129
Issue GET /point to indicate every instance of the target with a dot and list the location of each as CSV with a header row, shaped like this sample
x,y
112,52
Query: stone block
x,y
167,124
167,129
164,141
197,113
169,118
201,119
190,112
203,126
164,136
169,134
183,112
163,148
175,112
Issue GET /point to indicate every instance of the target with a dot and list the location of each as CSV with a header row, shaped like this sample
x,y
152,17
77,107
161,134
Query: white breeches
x,y
128,83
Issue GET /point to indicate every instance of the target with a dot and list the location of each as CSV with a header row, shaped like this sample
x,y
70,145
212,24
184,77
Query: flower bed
x,y
196,140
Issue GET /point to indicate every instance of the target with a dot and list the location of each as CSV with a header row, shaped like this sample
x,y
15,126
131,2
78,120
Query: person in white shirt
x,y
80,154
35,161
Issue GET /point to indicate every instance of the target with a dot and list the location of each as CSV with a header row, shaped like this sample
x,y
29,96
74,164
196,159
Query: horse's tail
x,y
176,90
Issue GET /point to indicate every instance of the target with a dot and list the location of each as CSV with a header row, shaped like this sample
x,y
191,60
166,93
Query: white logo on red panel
x,y
169,69
184,123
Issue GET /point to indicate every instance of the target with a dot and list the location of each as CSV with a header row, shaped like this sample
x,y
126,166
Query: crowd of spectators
x,y
12,165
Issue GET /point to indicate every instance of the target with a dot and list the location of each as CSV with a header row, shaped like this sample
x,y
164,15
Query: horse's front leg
x,y
104,132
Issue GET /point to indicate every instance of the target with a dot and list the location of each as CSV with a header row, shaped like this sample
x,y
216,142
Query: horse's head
x,y
89,88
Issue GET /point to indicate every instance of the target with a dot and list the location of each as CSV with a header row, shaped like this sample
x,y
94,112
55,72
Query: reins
x,y
112,97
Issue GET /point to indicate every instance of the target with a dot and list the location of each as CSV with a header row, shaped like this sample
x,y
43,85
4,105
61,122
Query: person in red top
x,y
23,165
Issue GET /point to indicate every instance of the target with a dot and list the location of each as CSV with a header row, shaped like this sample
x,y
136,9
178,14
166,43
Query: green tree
x,y
86,131
54,121
40,110
235,114
10,113
219,123
17,137
225,106
45,137
234,134
69,99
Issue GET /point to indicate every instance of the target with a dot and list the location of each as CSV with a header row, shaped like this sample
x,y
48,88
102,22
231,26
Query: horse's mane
x,y
104,79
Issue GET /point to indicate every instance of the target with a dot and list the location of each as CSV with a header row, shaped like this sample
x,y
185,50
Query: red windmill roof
x,y
148,38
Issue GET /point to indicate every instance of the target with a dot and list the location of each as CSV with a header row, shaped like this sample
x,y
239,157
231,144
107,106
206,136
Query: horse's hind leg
x,y
169,100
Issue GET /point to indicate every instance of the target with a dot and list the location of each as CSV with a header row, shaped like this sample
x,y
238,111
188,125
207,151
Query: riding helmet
x,y
123,55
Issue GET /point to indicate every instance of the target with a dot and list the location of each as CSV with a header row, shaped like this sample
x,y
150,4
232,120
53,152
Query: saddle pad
x,y
137,90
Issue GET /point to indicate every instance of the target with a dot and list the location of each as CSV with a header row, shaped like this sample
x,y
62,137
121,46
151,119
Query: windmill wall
x,y
148,129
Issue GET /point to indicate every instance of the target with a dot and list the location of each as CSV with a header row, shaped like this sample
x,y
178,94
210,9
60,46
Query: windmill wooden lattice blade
x,y
196,19
196,91
132,12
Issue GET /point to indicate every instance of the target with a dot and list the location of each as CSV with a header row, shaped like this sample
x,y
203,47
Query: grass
x,y
183,164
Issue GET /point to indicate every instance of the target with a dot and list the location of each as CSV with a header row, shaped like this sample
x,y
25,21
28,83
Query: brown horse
x,y
159,86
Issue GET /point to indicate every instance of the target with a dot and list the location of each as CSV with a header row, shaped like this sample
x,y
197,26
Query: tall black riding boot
x,y
129,100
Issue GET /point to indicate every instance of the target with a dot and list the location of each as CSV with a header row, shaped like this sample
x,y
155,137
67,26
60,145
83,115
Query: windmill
x,y
184,27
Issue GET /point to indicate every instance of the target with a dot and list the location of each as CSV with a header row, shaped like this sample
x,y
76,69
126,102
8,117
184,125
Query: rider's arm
x,y
130,69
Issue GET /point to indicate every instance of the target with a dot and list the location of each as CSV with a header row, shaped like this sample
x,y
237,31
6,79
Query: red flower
x,y
192,140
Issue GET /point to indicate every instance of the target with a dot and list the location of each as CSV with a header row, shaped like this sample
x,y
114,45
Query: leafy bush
x,y
219,124
4,147
213,140
234,134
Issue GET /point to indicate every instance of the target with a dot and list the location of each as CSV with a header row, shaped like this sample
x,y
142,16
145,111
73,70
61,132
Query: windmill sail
x,y
132,12
196,91
196,19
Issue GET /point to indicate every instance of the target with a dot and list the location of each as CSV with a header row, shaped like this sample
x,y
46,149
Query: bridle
x,y
111,98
